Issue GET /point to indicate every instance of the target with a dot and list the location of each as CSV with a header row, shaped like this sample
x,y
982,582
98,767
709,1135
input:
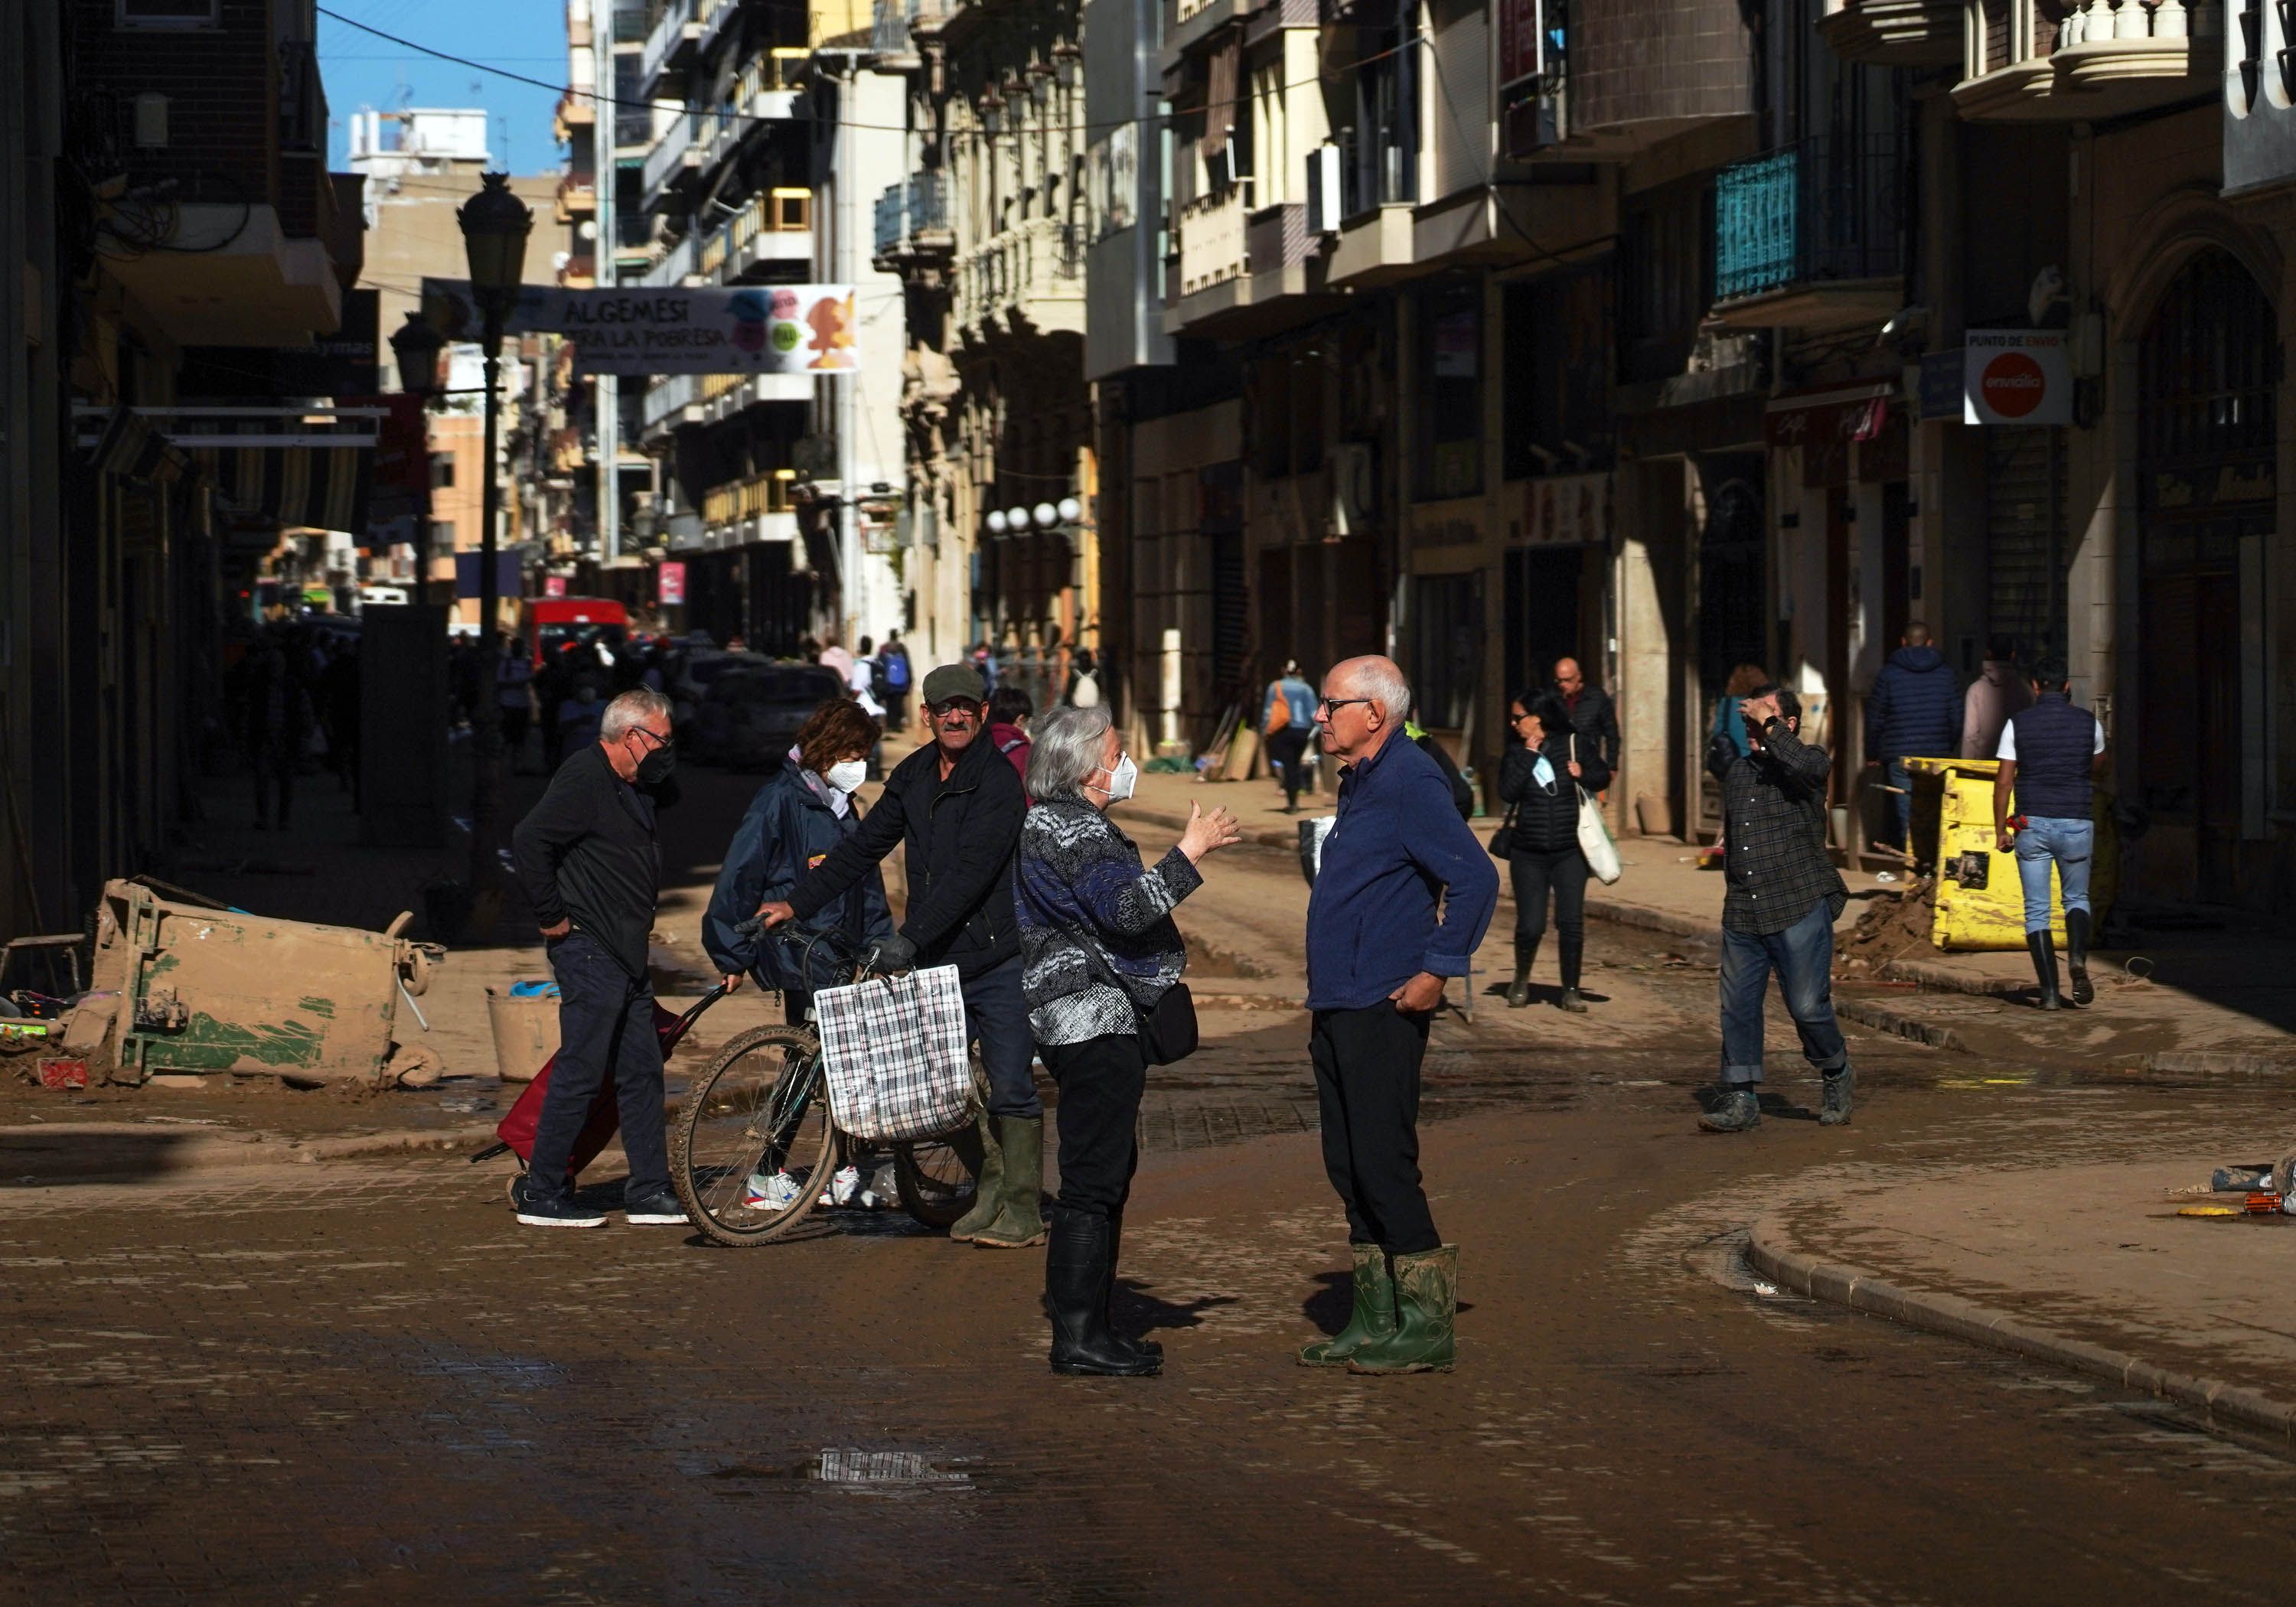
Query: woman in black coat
x,y
1540,777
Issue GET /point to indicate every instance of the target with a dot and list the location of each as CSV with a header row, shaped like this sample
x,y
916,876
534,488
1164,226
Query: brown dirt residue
x,y
1892,925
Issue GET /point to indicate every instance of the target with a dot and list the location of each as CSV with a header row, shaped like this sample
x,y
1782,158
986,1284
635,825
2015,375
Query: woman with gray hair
x,y
1100,952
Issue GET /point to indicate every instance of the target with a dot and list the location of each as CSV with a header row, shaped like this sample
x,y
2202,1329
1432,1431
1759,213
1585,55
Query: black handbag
x,y
1167,1028
1503,835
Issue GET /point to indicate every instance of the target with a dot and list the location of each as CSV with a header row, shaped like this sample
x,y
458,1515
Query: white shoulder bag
x,y
1593,835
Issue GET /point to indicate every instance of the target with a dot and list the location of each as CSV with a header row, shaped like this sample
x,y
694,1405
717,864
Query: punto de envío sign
x,y
2016,376
785,329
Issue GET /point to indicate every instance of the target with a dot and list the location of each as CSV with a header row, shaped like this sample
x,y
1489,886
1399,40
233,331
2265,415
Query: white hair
x,y
633,708
1064,747
1381,681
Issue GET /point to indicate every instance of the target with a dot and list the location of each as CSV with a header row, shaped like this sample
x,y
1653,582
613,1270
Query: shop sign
x,y
2016,376
670,582
554,585
785,329
1567,509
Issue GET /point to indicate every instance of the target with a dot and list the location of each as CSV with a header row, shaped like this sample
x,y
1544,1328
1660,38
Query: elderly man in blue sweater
x,y
1401,900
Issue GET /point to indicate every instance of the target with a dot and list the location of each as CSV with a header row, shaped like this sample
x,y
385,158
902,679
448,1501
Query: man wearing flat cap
x,y
956,807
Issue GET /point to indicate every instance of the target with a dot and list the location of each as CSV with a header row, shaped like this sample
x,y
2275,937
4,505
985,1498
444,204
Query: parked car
x,y
694,673
749,720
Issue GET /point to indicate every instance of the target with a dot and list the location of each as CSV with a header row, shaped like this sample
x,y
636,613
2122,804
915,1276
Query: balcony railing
x,y
889,31
671,42
677,151
906,210
773,226
1823,209
675,266
1212,237
1375,171
1035,271
767,493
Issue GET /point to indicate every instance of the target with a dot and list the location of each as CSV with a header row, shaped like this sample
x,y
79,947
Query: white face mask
x,y
1121,780
847,776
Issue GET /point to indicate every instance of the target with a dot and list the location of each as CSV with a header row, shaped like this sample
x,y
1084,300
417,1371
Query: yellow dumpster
x,y
1981,901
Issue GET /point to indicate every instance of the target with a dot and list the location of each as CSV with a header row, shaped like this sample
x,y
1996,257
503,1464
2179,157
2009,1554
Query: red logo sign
x,y
2013,385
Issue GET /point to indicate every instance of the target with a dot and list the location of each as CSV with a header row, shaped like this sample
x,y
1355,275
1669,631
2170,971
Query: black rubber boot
x,y
2043,950
1078,1264
1525,956
1573,948
1108,1292
2077,956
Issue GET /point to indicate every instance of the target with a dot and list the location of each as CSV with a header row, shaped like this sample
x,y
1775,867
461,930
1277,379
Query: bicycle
x,y
754,1147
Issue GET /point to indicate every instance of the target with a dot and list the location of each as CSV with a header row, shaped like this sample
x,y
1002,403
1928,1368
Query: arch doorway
x,y
2205,459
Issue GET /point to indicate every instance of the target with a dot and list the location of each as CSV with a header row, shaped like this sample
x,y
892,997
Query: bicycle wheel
x,y
935,1176
761,1111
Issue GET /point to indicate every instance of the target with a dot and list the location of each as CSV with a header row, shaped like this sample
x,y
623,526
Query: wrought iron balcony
x,y
1824,217
913,218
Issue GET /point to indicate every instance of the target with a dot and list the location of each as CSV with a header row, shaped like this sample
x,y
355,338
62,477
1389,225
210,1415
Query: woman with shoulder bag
x,y
1540,779
1102,962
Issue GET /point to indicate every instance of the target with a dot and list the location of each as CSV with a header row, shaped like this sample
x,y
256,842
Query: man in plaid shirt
x,y
1783,897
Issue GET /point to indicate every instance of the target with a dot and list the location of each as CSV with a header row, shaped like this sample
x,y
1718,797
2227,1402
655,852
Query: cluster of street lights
x,y
1043,516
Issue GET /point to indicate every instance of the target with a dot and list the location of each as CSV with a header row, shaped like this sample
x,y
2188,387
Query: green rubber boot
x,y
987,1186
1374,1318
1020,1218
1426,1303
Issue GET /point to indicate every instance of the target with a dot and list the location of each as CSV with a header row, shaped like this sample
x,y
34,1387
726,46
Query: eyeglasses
x,y
1331,706
948,706
659,741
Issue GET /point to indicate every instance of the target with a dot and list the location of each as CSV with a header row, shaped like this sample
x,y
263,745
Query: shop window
x,y
1557,374
1450,341
1446,634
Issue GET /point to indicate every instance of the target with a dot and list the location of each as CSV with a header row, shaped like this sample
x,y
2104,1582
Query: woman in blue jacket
x,y
797,816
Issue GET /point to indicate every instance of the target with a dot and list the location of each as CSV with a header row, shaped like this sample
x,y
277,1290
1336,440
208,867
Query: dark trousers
x,y
997,1015
514,722
1285,748
1101,1081
1367,1089
1536,872
605,1021
1803,958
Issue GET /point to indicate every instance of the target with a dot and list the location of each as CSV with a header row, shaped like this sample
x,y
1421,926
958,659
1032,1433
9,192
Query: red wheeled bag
x,y
516,1129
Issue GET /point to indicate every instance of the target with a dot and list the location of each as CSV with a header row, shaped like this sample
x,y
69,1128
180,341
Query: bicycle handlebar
x,y
891,954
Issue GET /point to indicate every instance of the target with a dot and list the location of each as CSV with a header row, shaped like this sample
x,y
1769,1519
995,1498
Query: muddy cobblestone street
x,y
275,1379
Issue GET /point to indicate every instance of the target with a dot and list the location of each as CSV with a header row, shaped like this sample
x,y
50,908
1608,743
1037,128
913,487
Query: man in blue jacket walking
x,y
1914,712
1400,902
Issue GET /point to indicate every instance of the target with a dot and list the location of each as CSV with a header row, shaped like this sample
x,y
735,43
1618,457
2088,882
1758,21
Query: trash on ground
x,y
842,1464
1762,1288
63,1073
1884,876
2208,1211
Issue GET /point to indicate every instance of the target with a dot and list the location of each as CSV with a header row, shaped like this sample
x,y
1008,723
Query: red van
x,y
554,622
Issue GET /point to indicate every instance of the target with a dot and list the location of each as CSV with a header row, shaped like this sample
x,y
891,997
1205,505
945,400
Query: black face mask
x,y
657,766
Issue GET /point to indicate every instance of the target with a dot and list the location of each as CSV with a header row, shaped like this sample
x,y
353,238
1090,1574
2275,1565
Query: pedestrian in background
x,y
1999,691
1009,711
553,683
1101,951
1778,910
1084,680
513,696
894,658
1400,902
1594,715
588,859
338,701
1288,717
1913,712
1539,779
2051,754
955,806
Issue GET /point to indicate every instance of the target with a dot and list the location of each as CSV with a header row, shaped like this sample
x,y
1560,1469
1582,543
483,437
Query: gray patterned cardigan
x,y
1078,884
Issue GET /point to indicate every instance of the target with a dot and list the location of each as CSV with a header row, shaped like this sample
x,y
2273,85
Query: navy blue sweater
x,y
789,829
1397,850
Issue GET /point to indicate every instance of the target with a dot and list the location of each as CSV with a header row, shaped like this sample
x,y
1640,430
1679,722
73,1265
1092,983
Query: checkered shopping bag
x,y
895,1050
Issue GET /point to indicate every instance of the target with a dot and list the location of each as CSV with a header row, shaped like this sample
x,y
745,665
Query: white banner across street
x,y
791,329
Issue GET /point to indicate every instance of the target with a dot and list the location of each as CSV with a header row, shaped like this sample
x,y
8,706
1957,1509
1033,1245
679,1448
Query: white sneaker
x,y
842,1186
770,1194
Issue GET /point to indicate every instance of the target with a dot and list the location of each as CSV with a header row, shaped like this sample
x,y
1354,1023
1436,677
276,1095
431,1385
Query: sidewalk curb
x,y
1860,1290
405,1141
1881,1018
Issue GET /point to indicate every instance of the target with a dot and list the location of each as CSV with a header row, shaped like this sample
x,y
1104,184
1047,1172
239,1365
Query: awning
x,y
289,466
324,487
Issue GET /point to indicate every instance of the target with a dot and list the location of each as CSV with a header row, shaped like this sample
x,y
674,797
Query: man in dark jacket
x,y
1594,715
587,859
1402,898
956,807
1913,712
2051,754
1778,909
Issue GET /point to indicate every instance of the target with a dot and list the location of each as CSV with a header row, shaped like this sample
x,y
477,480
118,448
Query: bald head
x,y
1365,700
1568,679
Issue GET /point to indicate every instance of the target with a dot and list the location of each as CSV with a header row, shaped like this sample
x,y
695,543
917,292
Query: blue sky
x,y
522,36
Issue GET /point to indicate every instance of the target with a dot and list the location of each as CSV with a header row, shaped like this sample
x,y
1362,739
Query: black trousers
x,y
1534,873
1285,747
605,1020
1101,1081
1367,1087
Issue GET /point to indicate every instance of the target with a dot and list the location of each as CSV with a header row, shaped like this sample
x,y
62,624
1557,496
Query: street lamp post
x,y
415,348
494,225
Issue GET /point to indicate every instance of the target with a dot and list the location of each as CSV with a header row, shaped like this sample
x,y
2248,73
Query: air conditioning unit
x,y
1355,488
1324,189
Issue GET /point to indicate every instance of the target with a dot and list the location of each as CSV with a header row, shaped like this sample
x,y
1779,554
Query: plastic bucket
x,y
526,1033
